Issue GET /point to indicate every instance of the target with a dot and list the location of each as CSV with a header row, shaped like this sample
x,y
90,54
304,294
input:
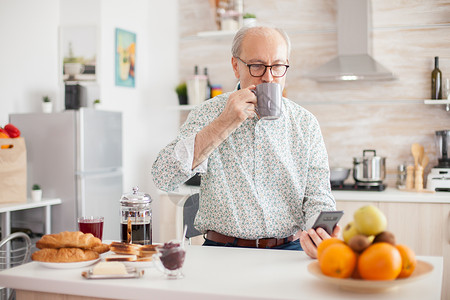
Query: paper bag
x,y
13,170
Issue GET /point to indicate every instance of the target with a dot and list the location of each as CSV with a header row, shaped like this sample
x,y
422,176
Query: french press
x,y
136,218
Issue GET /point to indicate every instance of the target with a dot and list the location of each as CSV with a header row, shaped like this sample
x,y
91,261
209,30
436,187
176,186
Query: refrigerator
x,y
74,155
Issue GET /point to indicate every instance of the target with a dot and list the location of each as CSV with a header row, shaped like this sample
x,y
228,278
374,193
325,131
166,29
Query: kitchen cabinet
x,y
423,226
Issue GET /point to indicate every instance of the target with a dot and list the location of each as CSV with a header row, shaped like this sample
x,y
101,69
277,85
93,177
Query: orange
x,y
337,260
355,274
380,261
325,243
409,261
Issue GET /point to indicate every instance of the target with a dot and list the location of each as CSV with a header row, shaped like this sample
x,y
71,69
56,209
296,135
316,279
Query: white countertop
x,y
4,207
217,273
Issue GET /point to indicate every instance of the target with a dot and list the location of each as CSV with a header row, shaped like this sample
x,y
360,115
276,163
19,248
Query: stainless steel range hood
x,y
353,61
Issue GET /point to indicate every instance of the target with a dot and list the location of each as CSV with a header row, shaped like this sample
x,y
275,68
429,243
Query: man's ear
x,y
234,63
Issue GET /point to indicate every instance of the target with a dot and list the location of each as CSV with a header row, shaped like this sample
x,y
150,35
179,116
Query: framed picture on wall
x,y
78,53
125,58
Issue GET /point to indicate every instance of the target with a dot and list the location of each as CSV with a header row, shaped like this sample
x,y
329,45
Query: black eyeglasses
x,y
258,70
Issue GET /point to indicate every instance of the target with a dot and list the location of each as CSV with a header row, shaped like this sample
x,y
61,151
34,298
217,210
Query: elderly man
x,y
263,181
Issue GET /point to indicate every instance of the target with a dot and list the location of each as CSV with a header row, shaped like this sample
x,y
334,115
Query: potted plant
x,y
47,104
73,65
181,91
96,103
36,193
249,19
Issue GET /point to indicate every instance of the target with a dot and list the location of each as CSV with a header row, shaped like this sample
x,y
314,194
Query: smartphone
x,y
328,220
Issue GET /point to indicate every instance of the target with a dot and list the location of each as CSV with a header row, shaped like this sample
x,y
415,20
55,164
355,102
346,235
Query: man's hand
x,y
312,238
240,106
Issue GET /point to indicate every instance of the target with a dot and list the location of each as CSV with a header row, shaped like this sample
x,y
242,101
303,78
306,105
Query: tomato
x,y
12,131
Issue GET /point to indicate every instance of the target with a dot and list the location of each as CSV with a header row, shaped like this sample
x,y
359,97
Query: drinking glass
x,y
92,225
169,260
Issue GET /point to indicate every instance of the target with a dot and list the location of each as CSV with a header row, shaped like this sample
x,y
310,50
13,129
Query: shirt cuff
x,y
184,153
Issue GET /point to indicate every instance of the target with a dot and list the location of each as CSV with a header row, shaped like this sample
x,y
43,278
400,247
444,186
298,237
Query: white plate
x,y
70,265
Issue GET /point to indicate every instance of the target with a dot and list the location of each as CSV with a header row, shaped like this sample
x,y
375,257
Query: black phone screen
x,y
328,220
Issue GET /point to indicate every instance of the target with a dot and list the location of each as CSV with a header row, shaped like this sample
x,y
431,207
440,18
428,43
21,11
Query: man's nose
x,y
267,77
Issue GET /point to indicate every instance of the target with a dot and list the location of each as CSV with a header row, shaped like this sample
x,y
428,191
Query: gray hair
x,y
239,38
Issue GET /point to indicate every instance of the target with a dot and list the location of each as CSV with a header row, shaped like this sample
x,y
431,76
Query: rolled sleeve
x,y
173,165
184,153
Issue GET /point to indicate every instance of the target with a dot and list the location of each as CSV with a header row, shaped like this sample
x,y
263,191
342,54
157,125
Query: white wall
x,y
29,70
148,124
28,48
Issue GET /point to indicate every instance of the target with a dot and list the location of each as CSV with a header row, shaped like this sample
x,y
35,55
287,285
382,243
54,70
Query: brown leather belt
x,y
259,243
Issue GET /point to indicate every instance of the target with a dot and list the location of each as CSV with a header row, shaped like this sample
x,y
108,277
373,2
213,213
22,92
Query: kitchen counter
x,y
393,195
214,273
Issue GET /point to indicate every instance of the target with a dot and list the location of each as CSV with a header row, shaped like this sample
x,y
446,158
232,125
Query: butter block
x,y
109,268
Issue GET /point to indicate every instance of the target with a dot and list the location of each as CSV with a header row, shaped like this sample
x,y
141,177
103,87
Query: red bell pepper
x,y
12,131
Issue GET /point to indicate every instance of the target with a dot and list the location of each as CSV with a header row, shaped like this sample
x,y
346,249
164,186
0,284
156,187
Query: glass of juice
x,y
92,225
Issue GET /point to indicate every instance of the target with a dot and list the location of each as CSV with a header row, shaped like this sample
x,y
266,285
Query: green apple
x,y
349,232
369,220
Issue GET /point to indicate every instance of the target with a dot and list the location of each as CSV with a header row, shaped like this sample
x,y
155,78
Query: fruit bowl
x,y
371,286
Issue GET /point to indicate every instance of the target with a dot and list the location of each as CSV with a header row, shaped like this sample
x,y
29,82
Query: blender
x,y
439,178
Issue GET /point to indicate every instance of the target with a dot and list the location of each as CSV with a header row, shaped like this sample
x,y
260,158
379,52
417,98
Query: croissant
x,y
69,239
101,249
64,255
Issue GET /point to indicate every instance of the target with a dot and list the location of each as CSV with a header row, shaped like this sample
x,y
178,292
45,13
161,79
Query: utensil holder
x,y
418,180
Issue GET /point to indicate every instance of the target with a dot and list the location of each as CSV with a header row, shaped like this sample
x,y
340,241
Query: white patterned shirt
x,y
269,178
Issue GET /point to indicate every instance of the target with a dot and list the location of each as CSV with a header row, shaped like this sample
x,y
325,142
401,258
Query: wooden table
x,y
211,273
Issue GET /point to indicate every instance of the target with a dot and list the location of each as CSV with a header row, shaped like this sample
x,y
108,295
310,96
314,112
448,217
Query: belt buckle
x,y
257,243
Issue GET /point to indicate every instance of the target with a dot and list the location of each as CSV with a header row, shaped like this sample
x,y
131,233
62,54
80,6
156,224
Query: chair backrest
x,y
15,249
190,209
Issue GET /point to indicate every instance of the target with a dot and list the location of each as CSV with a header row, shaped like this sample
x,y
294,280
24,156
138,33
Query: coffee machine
x,y
439,178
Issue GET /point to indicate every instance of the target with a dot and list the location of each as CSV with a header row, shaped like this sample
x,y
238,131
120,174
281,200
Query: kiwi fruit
x,y
359,243
386,237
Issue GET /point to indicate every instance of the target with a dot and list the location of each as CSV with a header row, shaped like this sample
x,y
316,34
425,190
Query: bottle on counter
x,y
401,176
208,85
196,88
436,80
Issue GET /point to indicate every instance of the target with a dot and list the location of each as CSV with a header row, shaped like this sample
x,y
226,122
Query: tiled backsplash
x,y
387,116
